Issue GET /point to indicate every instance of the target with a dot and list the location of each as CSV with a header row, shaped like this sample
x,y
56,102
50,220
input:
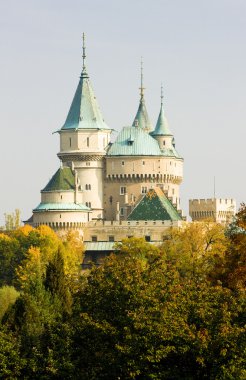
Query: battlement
x,y
213,201
221,210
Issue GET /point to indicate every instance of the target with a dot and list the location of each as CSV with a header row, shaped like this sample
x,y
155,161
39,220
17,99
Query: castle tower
x,y
172,160
84,138
138,161
142,119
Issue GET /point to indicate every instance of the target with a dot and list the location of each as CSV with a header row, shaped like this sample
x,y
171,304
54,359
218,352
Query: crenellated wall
x,y
218,209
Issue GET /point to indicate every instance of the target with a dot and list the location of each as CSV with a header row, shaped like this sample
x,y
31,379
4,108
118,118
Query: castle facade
x,y
101,180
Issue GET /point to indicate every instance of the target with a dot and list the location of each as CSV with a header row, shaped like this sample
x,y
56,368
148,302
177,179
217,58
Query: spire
x,y
162,128
84,112
84,73
142,87
142,118
161,95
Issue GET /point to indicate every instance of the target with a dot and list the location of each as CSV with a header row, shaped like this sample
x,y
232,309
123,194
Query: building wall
x,y
84,151
105,230
61,197
56,219
85,141
218,209
138,175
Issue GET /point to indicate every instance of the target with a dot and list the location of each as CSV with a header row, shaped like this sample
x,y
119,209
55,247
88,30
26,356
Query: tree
x,y
11,362
12,221
139,317
8,296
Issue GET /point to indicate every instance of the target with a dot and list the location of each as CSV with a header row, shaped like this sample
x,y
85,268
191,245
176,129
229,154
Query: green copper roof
x,y
99,246
61,207
63,179
142,119
154,206
162,128
134,141
84,112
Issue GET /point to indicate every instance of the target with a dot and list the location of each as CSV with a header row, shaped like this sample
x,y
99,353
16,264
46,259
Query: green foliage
x,y
171,312
8,296
142,318
11,362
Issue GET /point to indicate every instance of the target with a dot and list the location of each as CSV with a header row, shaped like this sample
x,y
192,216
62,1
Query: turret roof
x,y
162,127
154,206
63,179
62,207
134,141
142,119
84,112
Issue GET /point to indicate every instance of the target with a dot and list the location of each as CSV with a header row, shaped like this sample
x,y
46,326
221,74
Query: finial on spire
x,y
142,87
84,55
162,95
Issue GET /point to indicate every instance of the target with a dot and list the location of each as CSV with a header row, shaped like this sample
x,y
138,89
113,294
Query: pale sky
x,y
196,48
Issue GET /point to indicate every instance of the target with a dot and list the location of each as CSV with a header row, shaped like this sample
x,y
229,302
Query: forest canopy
x,y
174,311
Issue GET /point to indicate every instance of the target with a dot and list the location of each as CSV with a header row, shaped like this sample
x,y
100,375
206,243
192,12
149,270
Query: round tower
x,y
84,138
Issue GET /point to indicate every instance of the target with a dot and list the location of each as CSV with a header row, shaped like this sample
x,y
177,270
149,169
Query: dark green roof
x,y
63,179
154,206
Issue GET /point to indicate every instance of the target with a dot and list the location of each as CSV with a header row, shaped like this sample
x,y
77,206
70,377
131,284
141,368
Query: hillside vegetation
x,y
171,312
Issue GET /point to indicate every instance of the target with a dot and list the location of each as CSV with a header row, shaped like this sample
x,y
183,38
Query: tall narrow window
x,y
122,190
88,141
70,142
144,189
122,211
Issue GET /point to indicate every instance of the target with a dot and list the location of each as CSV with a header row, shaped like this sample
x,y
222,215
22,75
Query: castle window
x,y
94,238
144,189
147,238
122,211
164,142
143,162
88,142
111,238
61,196
70,142
88,187
122,190
88,204
110,199
88,163
122,163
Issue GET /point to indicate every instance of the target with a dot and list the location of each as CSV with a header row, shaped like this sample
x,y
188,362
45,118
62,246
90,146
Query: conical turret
x,y
84,112
142,119
162,127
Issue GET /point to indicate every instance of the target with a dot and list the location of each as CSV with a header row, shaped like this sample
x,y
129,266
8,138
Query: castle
x,y
110,190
